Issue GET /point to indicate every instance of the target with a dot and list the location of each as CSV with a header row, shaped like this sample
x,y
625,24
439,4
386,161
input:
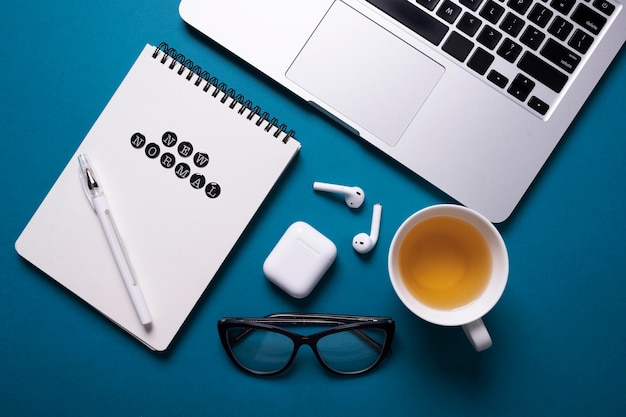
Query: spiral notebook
x,y
185,163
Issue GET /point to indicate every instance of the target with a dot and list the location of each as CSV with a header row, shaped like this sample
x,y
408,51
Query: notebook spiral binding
x,y
220,87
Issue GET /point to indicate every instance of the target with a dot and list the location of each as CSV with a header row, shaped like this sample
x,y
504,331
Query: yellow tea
x,y
444,262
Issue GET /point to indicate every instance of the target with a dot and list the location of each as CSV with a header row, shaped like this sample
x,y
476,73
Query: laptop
x,y
471,95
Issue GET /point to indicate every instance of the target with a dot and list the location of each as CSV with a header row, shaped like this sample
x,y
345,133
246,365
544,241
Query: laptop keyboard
x,y
528,49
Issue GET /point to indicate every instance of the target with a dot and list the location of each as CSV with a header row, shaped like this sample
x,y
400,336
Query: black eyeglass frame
x,y
342,323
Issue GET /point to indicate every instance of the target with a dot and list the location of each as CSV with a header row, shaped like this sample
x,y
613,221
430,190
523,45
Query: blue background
x,y
559,333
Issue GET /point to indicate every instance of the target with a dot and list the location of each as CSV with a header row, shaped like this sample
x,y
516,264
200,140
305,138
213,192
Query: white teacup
x,y
449,265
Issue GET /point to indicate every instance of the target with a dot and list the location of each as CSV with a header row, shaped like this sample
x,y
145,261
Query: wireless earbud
x,y
363,243
354,195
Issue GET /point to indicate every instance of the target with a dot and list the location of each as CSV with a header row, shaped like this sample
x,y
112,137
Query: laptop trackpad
x,y
365,73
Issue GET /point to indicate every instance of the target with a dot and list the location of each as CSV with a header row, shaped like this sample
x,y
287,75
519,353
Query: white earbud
x,y
354,195
363,243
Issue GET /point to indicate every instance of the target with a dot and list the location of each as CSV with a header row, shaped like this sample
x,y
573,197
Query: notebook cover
x,y
160,147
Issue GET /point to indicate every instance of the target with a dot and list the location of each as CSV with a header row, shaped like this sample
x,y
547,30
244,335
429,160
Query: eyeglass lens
x,y
260,350
352,350
266,351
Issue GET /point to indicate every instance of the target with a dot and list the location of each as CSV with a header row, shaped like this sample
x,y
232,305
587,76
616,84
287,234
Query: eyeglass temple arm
x,y
368,340
315,318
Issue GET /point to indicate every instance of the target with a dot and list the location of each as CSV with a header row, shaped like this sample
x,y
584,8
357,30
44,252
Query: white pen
x,y
98,202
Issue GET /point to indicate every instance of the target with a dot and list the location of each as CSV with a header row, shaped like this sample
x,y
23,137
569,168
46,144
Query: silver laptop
x,y
471,95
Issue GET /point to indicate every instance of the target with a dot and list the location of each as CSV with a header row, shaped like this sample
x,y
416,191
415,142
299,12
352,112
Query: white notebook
x,y
185,163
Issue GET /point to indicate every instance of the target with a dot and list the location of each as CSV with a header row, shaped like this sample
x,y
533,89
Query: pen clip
x,y
88,179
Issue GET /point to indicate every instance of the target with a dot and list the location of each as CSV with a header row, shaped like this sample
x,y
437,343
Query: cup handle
x,y
478,335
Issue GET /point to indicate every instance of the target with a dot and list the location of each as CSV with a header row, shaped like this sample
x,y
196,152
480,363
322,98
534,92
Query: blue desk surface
x,y
559,333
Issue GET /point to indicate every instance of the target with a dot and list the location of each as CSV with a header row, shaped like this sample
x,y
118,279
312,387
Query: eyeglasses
x,y
347,345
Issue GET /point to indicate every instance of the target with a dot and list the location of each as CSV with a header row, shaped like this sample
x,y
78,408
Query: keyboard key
x,y
471,4
429,4
520,6
521,87
489,37
588,19
560,28
480,61
497,78
540,15
449,11
458,46
512,24
581,41
469,24
532,37
492,11
604,6
509,50
563,6
538,105
560,56
542,71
